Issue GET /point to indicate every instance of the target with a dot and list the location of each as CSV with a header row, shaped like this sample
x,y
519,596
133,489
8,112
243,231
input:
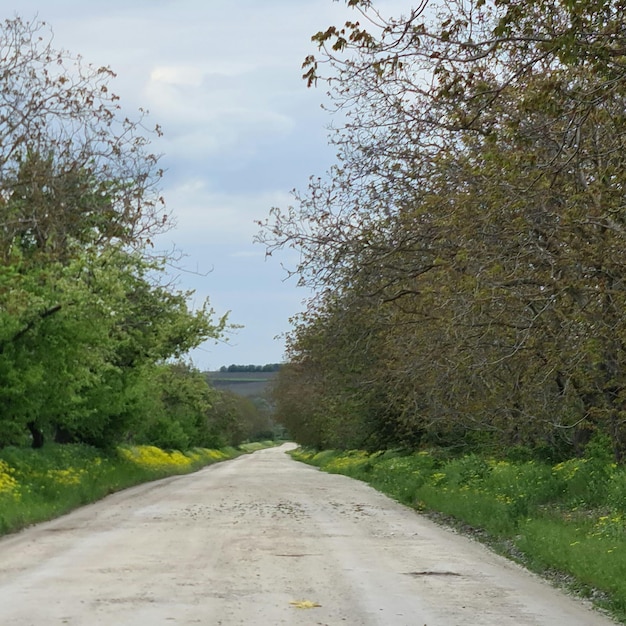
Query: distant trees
x,y
181,409
268,367
468,247
247,398
88,326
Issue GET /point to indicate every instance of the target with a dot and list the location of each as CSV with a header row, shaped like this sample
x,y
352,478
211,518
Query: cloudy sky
x,y
241,130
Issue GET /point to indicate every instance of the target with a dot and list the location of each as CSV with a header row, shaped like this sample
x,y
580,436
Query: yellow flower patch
x,y
8,484
150,457
568,469
68,476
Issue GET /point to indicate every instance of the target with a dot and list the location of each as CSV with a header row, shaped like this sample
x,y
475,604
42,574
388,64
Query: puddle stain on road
x,y
432,573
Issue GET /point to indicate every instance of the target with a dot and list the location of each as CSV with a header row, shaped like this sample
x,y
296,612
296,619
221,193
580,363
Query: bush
x,y
616,490
584,482
530,482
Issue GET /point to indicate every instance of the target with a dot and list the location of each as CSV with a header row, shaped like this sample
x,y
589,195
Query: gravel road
x,y
263,540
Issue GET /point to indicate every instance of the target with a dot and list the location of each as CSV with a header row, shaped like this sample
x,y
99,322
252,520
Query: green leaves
x,y
85,321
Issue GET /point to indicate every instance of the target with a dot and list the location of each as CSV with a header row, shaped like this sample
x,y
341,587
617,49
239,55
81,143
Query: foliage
x,y
90,328
565,519
181,410
468,247
233,419
84,372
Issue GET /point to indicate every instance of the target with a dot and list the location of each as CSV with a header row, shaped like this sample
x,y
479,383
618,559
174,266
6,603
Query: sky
x,y
241,130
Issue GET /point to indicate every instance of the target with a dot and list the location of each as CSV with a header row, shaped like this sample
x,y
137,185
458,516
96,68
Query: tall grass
x,y
566,520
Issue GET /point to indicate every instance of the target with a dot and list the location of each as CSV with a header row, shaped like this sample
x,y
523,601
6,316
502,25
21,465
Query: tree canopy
x,y
467,248
92,332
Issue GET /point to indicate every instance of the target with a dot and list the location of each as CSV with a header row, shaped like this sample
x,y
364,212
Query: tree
x,y
477,201
72,165
85,322
179,402
334,392
79,340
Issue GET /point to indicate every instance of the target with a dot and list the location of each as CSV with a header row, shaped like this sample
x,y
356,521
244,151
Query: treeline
x,y
268,367
92,333
468,249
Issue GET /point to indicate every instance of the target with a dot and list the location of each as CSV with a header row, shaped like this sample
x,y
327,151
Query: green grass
x,y
253,446
592,558
37,485
567,521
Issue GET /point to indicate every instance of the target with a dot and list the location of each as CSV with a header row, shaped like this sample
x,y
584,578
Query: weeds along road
x,y
262,540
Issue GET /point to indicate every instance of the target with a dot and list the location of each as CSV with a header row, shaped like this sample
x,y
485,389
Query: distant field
x,y
242,383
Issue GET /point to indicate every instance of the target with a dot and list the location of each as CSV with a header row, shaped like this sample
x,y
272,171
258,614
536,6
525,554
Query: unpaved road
x,y
239,542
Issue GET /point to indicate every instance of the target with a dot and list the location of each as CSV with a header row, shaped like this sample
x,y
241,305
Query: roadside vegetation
x,y
566,521
37,485
94,332
467,251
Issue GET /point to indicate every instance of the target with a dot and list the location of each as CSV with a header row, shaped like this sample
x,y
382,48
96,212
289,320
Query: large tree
x,y
478,201
87,318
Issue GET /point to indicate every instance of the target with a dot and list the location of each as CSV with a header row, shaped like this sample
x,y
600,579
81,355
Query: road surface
x,y
263,540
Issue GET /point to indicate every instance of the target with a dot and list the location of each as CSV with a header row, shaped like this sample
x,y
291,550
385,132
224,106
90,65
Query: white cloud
x,y
177,75
206,216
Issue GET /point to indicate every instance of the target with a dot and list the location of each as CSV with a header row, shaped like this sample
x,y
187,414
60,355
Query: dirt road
x,y
261,540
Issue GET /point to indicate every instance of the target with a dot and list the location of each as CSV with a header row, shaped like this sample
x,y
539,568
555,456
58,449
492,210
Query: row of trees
x,y
468,249
268,367
91,332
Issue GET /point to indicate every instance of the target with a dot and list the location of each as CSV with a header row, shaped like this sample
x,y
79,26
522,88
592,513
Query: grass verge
x,y
38,485
566,521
